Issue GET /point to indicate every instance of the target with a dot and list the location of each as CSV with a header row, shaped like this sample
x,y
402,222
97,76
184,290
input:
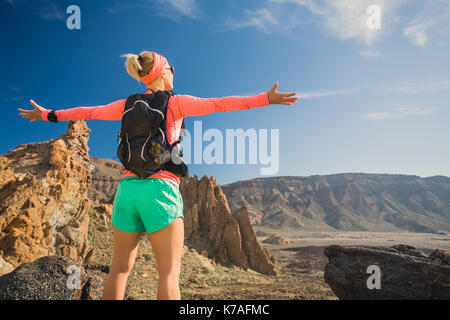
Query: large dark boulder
x,y
47,279
405,272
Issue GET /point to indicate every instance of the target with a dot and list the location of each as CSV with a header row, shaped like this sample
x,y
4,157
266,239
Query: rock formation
x,y
211,226
44,205
405,272
43,199
54,278
106,174
276,240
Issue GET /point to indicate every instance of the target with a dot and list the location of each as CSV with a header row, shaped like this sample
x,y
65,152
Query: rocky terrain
x,y
204,277
45,209
404,272
347,201
276,240
209,223
47,278
43,202
211,226
270,240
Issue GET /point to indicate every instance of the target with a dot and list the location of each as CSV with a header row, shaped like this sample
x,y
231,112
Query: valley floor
x,y
317,238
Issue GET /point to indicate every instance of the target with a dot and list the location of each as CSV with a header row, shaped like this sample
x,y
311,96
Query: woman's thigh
x,y
125,250
167,244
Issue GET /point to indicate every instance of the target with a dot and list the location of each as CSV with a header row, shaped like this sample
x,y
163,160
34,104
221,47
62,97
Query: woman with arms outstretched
x,y
154,204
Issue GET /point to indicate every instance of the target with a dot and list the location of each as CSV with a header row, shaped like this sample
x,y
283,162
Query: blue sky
x,y
374,101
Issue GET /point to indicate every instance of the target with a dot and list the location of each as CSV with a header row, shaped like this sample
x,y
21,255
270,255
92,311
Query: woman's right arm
x,y
111,111
190,106
186,105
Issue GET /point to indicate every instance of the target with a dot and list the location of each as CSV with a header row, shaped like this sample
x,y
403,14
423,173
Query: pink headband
x,y
158,64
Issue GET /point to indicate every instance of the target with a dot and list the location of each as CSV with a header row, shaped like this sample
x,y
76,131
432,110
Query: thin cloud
x,y
16,93
186,8
13,88
435,17
173,10
120,7
417,33
321,94
370,53
117,9
347,19
260,18
310,95
15,98
417,88
45,9
400,111
13,2
52,12
270,19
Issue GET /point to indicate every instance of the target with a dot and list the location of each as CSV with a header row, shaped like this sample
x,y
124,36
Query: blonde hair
x,y
139,65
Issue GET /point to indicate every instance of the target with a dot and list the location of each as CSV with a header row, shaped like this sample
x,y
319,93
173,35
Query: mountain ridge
x,y
341,201
346,201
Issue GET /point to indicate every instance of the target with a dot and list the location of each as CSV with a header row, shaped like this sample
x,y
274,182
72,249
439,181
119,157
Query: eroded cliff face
x,y
106,174
211,226
43,199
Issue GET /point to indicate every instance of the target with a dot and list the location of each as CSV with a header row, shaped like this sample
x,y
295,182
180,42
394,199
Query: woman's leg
x,y
124,255
167,244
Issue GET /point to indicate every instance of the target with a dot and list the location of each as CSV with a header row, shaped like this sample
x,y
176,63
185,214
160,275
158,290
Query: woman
x,y
153,204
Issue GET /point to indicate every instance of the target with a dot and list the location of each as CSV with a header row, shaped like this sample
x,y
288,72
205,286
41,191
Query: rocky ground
x,y
301,263
48,211
301,272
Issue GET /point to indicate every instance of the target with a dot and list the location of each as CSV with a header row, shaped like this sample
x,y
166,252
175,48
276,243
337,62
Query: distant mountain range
x,y
347,201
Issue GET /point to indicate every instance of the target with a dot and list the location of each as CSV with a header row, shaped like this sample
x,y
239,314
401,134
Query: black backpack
x,y
143,148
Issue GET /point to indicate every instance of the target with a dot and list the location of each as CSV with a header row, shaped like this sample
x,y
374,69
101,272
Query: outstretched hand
x,y
281,98
35,114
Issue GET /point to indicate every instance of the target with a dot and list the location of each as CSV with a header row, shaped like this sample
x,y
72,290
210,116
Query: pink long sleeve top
x,y
179,106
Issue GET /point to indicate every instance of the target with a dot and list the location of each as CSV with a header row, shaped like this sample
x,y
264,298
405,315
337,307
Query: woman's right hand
x,y
281,98
35,114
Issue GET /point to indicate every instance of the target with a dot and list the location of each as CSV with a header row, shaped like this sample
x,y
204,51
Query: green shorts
x,y
148,204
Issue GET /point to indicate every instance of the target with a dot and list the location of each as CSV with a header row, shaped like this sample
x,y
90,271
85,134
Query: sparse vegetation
x,y
204,279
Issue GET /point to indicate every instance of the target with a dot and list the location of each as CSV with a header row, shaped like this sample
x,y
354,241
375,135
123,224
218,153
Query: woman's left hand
x,y
281,98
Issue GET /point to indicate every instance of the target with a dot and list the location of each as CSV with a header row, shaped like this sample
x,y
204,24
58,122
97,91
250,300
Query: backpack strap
x,y
179,139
